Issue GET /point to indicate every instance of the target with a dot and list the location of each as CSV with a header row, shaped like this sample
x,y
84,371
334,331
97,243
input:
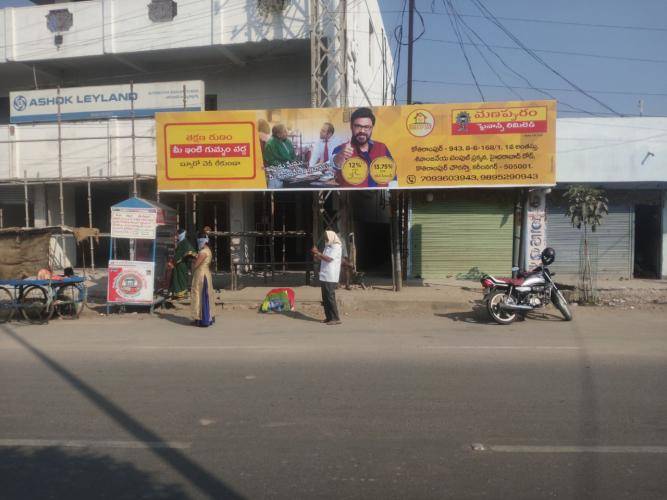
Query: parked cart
x,y
38,300
28,288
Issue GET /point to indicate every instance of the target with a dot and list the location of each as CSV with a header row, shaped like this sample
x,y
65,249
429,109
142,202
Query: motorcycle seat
x,y
513,281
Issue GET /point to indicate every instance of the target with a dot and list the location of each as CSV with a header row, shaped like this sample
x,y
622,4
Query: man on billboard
x,y
361,161
277,151
323,150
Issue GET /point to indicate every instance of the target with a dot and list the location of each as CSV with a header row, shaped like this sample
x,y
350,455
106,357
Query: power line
x,y
561,52
531,53
452,21
614,92
519,75
552,21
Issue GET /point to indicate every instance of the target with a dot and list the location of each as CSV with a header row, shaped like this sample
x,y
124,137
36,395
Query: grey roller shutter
x,y
612,241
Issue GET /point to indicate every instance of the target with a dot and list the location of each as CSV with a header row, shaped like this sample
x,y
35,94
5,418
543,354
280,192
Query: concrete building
x,y
249,54
627,157
459,233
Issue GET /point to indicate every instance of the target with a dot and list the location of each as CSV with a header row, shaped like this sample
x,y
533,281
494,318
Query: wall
x,y
365,50
664,235
94,144
604,150
121,26
107,149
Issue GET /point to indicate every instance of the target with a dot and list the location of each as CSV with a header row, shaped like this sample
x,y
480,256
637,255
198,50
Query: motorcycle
x,y
508,298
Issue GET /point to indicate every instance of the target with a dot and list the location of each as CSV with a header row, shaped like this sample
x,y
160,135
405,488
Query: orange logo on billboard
x,y
420,123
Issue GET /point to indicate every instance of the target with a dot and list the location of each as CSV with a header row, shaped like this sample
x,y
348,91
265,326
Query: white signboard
x,y
130,282
133,223
535,229
108,101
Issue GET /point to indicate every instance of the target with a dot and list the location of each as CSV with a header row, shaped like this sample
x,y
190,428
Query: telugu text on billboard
x,y
420,146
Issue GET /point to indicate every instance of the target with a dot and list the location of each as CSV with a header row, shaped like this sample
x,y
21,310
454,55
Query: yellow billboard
x,y
492,144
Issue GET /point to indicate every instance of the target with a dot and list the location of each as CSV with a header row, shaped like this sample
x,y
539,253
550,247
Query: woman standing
x,y
182,258
202,298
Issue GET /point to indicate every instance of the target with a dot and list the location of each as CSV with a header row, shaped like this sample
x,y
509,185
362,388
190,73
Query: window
x,y
371,33
4,110
211,102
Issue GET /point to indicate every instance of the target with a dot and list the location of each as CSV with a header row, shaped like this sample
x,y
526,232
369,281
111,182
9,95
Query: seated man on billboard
x,y
363,147
278,151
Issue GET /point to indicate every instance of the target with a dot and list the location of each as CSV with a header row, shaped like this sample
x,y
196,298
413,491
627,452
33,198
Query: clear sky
x,y
615,50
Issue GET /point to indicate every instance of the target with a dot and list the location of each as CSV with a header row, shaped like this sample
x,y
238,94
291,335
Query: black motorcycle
x,y
508,298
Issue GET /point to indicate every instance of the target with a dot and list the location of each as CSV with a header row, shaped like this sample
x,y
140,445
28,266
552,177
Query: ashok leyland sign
x,y
109,101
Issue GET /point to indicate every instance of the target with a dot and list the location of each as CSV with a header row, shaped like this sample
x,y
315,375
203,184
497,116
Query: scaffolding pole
x,y
215,238
25,198
60,176
194,211
90,222
134,152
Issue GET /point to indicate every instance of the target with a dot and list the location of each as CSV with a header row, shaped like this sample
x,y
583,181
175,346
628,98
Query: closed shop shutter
x,y
453,236
612,241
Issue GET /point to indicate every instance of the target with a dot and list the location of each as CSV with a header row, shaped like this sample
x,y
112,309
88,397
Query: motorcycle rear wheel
x,y
561,304
500,316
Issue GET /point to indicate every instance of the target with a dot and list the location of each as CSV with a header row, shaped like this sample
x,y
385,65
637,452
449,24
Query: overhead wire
x,y
453,22
481,54
489,15
520,75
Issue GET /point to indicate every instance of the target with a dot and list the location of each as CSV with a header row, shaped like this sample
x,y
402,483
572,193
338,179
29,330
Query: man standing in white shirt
x,y
321,152
329,274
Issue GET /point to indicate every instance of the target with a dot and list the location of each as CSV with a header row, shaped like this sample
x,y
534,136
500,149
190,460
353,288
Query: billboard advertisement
x,y
130,282
490,144
108,101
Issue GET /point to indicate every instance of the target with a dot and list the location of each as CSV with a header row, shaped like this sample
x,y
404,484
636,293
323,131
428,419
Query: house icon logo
x,y
420,123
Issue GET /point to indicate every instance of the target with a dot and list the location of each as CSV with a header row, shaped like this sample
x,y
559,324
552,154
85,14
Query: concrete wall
x,y
370,82
606,150
664,235
105,146
122,26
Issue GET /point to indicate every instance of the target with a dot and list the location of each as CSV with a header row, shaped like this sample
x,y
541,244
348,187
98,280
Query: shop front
x,y
460,234
627,244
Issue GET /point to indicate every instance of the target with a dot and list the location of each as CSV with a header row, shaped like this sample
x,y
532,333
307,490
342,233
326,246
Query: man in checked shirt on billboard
x,y
361,146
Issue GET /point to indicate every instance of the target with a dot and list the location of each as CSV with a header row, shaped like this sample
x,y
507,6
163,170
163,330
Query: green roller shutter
x,y
452,237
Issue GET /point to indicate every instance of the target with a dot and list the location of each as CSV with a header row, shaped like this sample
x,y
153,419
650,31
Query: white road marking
x,y
571,449
507,347
77,443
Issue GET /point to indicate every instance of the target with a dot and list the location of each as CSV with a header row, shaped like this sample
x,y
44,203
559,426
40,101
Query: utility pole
x,y
411,18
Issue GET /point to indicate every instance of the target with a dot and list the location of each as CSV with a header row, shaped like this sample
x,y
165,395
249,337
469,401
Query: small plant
x,y
586,209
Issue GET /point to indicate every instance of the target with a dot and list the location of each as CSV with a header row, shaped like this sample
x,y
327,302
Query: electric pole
x,y
411,16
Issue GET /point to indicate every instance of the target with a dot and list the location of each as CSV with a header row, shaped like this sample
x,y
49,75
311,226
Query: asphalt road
x,y
392,406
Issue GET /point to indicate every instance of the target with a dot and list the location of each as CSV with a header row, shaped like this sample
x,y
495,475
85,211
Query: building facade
x,y
248,54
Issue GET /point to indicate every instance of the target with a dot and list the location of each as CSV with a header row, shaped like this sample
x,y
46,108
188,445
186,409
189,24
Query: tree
x,y
586,209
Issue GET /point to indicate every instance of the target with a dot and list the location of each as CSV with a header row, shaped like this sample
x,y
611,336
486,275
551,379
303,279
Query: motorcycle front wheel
x,y
499,315
561,304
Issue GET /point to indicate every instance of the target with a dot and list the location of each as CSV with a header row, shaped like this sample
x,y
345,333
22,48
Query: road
x,y
393,406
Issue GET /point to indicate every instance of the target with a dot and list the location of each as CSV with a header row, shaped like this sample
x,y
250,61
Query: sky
x,y
612,50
